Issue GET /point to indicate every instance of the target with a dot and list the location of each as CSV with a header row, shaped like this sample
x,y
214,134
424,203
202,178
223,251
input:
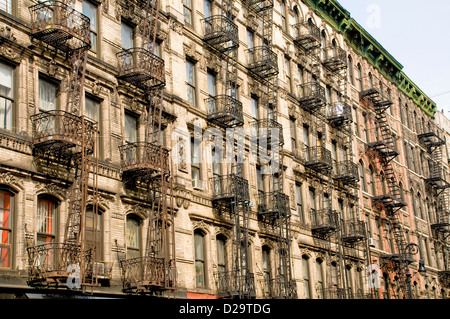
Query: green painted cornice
x,y
365,45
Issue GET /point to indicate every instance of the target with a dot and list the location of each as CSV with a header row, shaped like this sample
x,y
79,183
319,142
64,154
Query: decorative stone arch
x,y
61,194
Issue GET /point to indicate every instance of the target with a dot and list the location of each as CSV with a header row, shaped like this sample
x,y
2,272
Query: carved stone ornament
x,y
6,32
52,189
52,68
200,224
10,179
183,197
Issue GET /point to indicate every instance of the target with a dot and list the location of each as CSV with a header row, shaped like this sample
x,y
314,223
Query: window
x,y
221,254
250,43
360,77
306,282
299,202
190,82
207,8
255,114
6,96
379,237
292,123
283,15
92,109
259,181
6,5
131,128
366,128
350,70
266,267
195,159
90,11
200,276
133,236
216,161
47,95
287,71
46,220
6,217
306,141
362,175
319,276
211,82
372,181
356,117
94,233
127,36
312,198
187,10
368,226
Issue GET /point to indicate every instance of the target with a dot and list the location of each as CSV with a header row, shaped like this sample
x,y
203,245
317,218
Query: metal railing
x,y
225,111
221,33
324,220
346,171
141,68
142,156
262,61
230,187
60,26
258,5
318,156
338,112
234,283
335,58
60,129
273,203
354,231
311,95
144,272
268,130
307,35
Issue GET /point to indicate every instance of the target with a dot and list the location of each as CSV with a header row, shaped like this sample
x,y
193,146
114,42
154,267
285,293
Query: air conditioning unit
x,y
372,242
197,184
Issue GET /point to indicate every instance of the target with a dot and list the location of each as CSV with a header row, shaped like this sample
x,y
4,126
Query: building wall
x,y
179,42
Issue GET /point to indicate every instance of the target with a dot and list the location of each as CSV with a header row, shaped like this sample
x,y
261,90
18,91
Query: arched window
x,y
306,281
296,17
283,15
221,254
267,273
199,249
94,231
6,227
360,77
413,202
323,41
362,175
372,181
133,236
319,276
420,206
350,70
46,218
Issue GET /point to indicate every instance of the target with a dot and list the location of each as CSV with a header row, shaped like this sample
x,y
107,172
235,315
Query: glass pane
x,y
46,215
211,84
133,233
92,109
198,243
90,11
130,129
127,36
199,274
6,109
6,80
47,95
5,202
221,252
6,5
190,76
207,8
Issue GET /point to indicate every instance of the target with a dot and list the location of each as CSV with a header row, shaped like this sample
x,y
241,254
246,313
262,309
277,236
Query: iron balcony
x,y
60,26
273,205
233,284
318,158
335,58
269,131
339,114
312,96
225,111
324,221
307,36
258,5
230,188
143,160
221,33
141,68
62,132
354,231
376,93
346,172
263,62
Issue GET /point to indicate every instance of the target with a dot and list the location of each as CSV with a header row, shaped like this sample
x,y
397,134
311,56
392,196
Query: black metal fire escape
x,y
64,146
146,166
385,149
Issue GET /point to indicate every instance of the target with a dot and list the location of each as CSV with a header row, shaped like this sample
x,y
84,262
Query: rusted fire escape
x,y
146,166
64,142
430,137
230,190
273,203
391,200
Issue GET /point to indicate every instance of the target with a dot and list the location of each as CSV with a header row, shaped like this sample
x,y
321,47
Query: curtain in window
x,y
6,5
47,96
199,260
46,215
6,96
127,36
5,229
132,238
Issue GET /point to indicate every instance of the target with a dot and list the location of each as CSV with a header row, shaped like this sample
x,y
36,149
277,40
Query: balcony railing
x,y
377,92
146,274
318,158
141,68
307,36
221,33
273,205
49,263
276,288
225,111
59,25
339,114
143,159
335,58
268,130
312,96
354,231
60,130
262,62
324,221
429,136
233,284
258,5
230,188
346,172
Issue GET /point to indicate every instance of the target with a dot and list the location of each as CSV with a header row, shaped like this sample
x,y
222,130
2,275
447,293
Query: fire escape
x,y
392,201
64,145
273,203
231,195
429,137
146,166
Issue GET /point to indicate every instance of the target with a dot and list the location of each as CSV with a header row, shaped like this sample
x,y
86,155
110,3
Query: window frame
x,y
49,237
191,83
8,230
188,8
10,99
200,260
137,250
93,33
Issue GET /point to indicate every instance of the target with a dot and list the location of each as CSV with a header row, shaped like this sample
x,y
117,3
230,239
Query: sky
x,y
417,34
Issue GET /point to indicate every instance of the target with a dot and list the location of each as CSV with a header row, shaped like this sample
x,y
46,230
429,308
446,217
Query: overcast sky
x,y
417,34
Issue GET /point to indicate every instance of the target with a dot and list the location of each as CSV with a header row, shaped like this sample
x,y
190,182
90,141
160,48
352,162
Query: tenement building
x,y
215,149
